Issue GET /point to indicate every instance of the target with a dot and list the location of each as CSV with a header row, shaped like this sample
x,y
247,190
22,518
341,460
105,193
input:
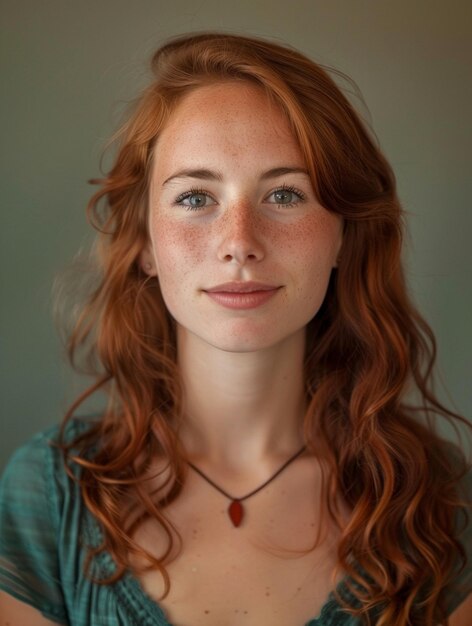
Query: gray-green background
x,y
69,67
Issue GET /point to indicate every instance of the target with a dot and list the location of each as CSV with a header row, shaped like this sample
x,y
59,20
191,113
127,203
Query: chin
x,y
249,341
239,336
242,349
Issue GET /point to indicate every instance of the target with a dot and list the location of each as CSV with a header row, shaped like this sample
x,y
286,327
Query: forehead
x,y
235,118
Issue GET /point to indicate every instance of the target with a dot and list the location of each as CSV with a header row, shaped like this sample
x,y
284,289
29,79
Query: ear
x,y
147,261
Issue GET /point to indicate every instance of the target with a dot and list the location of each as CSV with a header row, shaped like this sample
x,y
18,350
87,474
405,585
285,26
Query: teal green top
x,y
44,530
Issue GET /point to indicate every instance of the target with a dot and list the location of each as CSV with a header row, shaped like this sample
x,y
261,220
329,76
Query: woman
x,y
258,461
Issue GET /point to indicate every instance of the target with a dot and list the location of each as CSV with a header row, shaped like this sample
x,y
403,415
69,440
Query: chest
x,y
262,572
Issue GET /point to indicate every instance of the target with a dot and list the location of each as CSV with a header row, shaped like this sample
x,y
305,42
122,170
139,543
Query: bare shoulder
x,y
462,615
16,613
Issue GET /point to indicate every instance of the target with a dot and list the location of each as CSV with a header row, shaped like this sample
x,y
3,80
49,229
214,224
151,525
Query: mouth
x,y
242,287
243,299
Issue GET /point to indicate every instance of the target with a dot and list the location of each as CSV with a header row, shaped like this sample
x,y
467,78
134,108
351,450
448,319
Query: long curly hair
x,y
368,350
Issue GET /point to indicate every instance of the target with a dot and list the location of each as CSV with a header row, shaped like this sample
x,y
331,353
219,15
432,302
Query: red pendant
x,y
235,511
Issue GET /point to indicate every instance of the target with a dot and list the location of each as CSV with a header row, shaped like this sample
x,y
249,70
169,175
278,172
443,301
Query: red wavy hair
x,y
367,348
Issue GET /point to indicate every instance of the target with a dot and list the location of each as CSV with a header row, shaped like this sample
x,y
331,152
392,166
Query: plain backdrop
x,y
68,70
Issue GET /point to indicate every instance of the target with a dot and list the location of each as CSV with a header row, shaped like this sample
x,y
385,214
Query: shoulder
x,y
42,448
461,615
35,478
39,524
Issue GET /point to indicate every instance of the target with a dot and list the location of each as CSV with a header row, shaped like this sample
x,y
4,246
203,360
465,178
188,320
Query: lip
x,y
242,300
241,287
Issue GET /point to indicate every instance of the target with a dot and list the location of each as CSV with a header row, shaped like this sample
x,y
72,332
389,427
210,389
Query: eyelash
x,y
200,191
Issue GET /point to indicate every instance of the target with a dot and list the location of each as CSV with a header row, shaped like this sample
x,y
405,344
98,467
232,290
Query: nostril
x,y
240,257
241,249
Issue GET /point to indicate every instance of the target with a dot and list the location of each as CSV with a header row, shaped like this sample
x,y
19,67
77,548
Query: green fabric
x,y
44,530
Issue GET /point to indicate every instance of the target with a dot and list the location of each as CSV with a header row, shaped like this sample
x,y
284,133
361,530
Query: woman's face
x,y
231,220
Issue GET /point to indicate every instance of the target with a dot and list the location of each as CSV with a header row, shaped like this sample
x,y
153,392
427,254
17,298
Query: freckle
x,y
236,610
207,611
267,593
245,612
299,588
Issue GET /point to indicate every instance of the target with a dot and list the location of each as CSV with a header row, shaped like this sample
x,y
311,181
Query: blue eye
x,y
287,190
285,196
189,194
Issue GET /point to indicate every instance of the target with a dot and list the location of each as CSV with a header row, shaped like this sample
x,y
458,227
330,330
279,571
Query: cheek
x,y
177,245
313,243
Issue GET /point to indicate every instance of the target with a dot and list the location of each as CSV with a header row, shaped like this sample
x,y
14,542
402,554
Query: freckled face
x,y
242,227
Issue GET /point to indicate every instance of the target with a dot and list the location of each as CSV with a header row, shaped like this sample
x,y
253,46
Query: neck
x,y
241,409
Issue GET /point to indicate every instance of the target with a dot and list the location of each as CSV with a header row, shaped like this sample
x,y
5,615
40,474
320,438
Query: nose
x,y
239,239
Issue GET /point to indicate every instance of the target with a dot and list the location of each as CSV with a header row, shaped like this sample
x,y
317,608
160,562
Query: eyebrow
x,y
205,174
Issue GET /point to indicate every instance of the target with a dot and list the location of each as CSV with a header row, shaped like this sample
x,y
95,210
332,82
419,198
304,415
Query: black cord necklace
x,y
235,509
